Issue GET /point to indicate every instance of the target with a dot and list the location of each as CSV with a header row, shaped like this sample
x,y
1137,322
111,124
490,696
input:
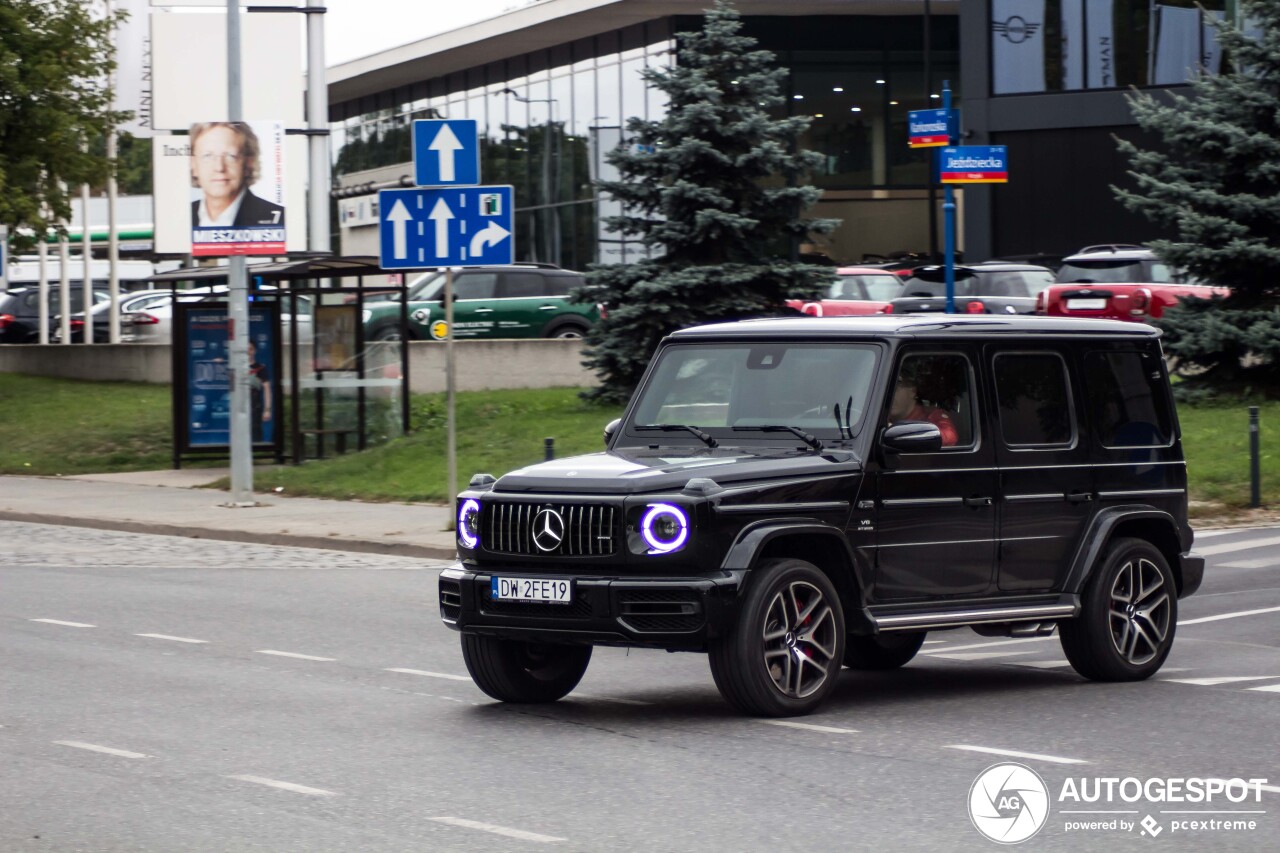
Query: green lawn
x,y
56,426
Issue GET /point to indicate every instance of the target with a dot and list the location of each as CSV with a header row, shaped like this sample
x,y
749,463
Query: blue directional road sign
x,y
446,227
446,153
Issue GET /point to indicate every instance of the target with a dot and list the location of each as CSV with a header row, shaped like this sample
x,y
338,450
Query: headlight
x,y
665,528
469,524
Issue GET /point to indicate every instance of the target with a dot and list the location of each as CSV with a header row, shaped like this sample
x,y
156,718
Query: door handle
x,y
546,307
1079,497
484,311
978,501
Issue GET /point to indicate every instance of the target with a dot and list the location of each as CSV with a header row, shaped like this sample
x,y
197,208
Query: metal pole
x,y
43,250
549,449
1255,470
949,208
238,305
317,120
450,387
86,248
64,288
113,240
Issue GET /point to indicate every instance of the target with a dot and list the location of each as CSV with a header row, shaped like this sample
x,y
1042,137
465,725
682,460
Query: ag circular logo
x,y
439,330
1009,803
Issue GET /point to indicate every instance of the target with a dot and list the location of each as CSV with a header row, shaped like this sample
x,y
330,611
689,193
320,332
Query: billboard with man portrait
x,y
237,188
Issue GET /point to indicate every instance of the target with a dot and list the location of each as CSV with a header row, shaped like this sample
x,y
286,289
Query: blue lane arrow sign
x,y
446,227
446,152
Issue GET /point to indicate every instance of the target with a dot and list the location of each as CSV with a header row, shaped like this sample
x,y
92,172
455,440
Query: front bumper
x,y
1192,569
677,613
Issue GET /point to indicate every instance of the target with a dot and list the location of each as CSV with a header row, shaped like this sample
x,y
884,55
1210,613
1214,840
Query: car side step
x,y
977,614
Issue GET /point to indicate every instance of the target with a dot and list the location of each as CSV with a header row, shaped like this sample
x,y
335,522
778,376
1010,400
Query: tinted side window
x,y
935,388
476,285
1127,399
526,284
561,284
1035,403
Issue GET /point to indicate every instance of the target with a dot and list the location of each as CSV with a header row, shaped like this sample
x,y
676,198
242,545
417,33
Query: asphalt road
x,y
166,694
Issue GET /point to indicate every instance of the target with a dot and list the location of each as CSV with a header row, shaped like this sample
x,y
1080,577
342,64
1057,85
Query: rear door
x,y
1046,479
524,305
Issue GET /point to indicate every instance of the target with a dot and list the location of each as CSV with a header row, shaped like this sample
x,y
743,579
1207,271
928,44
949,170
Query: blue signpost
x,y
447,227
446,153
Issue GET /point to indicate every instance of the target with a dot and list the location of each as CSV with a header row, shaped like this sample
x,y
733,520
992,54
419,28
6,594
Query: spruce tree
x,y
1215,187
715,191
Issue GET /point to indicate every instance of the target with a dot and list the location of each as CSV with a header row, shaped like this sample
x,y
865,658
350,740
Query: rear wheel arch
x,y
1148,524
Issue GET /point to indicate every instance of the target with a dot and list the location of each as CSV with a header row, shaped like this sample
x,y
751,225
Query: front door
x,y
934,512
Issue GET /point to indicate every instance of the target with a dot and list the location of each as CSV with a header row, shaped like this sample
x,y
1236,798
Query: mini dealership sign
x,y
974,164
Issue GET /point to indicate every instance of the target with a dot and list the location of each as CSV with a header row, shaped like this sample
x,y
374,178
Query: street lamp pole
x,y
549,188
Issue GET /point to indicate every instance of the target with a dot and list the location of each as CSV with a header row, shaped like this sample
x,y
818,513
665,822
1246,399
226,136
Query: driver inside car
x,y
907,406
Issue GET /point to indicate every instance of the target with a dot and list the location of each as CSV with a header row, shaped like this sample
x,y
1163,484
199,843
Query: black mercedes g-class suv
x,y
794,495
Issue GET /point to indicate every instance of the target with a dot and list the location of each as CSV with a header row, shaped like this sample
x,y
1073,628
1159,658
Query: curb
x,y
361,546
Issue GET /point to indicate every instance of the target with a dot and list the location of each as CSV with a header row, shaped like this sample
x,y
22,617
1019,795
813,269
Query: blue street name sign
x,y
974,164
446,227
446,153
928,128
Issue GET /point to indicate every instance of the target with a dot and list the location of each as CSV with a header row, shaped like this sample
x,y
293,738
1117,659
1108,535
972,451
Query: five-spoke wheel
x,y
1129,612
783,655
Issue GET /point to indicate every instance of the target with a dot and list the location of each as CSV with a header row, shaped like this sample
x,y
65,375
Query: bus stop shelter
x,y
344,392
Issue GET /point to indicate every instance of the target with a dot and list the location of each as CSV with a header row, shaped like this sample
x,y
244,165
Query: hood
x,y
633,471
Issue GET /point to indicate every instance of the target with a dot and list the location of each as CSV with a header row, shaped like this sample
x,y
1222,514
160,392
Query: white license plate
x,y
1086,304
544,590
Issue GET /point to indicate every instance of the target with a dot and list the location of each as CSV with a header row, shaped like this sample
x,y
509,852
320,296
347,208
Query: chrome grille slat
x,y
589,529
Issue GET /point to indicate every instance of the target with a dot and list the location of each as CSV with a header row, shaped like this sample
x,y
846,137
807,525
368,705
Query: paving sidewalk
x,y
170,503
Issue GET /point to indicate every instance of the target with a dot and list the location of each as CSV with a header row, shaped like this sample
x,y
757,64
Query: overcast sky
x,y
355,28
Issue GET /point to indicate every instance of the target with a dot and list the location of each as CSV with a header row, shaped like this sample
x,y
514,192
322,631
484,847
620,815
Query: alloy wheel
x,y
1140,611
799,639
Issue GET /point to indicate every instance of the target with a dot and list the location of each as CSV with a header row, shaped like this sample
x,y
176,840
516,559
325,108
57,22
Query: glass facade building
x,y
547,117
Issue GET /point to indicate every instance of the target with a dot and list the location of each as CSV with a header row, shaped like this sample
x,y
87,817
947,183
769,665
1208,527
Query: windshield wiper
x,y
710,440
808,439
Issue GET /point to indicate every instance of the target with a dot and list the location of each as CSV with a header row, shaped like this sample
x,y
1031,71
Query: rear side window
x,y
527,284
1035,400
1127,399
561,284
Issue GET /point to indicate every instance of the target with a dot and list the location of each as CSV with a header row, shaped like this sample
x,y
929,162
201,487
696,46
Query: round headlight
x,y
469,524
665,528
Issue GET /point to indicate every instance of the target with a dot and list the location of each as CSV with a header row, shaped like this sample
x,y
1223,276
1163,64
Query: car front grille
x,y
567,530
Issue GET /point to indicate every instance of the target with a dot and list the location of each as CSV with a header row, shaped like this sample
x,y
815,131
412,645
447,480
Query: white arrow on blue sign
x,y
446,152
446,227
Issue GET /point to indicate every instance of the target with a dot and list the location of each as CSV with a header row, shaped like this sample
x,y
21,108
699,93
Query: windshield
x,y
880,288
427,288
717,387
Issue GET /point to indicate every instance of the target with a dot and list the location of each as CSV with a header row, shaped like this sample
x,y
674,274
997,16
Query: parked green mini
x,y
520,301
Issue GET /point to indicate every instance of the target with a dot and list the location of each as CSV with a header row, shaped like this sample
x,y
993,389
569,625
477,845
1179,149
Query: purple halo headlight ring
x,y
665,528
469,524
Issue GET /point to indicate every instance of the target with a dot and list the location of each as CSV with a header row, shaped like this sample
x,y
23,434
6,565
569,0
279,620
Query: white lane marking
x,y
1205,534
616,701
996,645
1042,664
812,727
932,642
1264,563
979,655
1220,679
170,637
497,830
1013,753
93,747
1270,688
431,674
1220,616
290,655
285,786
67,624
1232,547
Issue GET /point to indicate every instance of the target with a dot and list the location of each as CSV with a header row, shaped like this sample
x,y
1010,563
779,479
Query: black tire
x,y
1129,613
572,331
884,651
760,665
525,673
386,333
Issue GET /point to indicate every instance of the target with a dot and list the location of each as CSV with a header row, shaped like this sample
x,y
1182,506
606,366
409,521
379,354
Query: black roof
x,y
920,325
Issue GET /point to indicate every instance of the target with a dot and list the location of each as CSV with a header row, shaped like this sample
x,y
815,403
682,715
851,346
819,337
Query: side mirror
x,y
612,427
912,437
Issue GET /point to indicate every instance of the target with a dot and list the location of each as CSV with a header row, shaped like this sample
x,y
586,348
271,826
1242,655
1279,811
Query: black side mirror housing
x,y
609,429
912,437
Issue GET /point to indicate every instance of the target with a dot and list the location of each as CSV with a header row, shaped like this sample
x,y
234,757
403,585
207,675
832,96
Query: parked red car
x,y
1117,282
857,290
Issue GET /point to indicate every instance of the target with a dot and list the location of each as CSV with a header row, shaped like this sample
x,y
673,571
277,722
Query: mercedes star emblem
x,y
547,530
